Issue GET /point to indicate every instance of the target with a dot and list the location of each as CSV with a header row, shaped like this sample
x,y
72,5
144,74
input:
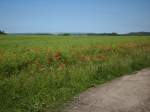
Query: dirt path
x,y
126,94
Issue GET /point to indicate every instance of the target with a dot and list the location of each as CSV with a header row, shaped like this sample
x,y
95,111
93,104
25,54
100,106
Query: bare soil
x,y
129,93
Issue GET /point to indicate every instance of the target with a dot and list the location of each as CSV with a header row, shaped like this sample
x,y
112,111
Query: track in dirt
x,y
129,93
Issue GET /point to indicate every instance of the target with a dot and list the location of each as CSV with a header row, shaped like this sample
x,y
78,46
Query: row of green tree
x,y
108,34
2,32
88,34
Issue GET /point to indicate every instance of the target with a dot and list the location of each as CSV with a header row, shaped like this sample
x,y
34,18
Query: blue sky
x,y
22,16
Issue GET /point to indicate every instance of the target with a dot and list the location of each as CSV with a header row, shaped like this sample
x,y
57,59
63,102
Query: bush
x,y
2,32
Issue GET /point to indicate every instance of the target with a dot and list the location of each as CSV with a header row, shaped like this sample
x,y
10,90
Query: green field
x,y
42,73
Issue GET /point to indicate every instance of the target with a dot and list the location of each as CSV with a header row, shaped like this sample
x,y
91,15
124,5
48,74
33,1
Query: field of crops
x,y
40,73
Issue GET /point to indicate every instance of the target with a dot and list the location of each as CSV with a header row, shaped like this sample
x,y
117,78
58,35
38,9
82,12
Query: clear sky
x,y
22,16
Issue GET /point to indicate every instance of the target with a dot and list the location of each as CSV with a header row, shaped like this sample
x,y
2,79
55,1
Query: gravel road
x,y
130,93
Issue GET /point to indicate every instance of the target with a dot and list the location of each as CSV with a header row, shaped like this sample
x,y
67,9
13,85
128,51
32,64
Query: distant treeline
x,y
98,34
2,32
138,34
84,34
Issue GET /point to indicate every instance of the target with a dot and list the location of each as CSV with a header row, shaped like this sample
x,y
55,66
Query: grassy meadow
x,y
40,73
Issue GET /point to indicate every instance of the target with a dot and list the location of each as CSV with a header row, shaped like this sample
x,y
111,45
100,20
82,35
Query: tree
x,y
2,32
114,34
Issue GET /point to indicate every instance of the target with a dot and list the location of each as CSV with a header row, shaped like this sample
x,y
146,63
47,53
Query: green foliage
x,y
42,73
2,32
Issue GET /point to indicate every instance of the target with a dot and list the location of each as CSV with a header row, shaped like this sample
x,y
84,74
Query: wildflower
x,y
101,58
57,56
84,58
61,66
106,49
49,60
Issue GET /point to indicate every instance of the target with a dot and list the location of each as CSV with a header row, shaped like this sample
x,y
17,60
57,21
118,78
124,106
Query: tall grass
x,y
42,74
